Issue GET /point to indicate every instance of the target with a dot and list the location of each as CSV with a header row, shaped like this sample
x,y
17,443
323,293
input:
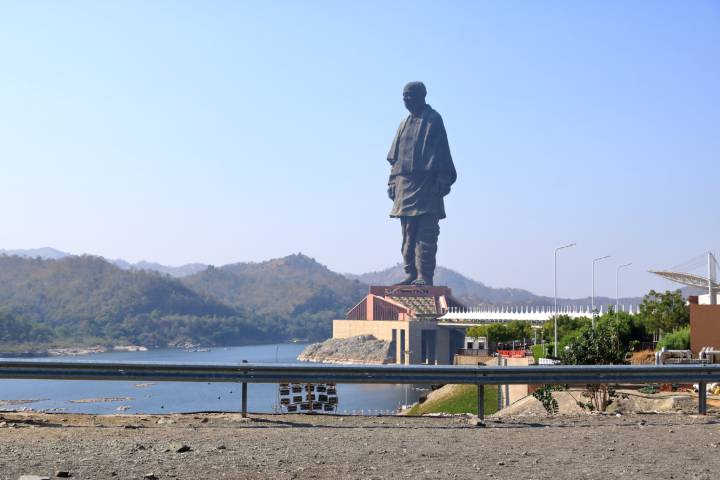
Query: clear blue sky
x,y
240,131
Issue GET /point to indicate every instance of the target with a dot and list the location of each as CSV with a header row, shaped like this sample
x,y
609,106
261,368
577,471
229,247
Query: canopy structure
x,y
689,279
693,279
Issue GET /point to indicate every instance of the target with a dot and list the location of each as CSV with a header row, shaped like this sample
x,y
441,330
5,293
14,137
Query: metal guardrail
x,y
391,374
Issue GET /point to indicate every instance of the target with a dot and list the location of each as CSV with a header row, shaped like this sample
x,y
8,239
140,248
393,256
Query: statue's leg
x,y
428,232
409,231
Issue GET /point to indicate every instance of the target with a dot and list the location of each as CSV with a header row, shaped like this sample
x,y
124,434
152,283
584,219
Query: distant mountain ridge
x,y
473,293
49,253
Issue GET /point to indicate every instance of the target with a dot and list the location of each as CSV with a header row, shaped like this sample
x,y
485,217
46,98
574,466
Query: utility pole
x,y
592,301
555,311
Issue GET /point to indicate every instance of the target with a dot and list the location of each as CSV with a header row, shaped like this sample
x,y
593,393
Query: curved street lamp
x,y
592,301
555,351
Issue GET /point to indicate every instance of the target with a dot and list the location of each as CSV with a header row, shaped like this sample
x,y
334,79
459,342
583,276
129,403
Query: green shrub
x,y
677,340
538,351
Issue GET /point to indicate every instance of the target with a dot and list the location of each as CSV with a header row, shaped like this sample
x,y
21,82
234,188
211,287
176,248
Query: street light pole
x,y
592,301
555,311
617,287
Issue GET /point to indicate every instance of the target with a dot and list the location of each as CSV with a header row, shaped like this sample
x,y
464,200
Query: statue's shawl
x,y
431,152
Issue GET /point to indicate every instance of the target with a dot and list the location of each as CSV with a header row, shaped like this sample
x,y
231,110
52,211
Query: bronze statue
x,y
421,174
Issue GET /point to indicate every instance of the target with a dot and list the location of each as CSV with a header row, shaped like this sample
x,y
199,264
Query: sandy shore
x,y
209,446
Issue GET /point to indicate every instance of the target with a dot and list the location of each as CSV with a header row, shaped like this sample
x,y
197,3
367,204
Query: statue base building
x,y
407,316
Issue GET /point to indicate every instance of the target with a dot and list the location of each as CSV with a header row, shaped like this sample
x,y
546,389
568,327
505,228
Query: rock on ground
x,y
359,349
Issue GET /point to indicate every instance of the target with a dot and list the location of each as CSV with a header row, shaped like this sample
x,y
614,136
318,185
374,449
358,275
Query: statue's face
x,y
414,101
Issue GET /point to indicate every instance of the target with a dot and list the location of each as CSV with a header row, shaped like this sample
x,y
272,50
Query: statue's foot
x,y
408,280
423,281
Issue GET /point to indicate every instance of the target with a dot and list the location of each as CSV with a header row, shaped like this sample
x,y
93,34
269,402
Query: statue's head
x,y
414,97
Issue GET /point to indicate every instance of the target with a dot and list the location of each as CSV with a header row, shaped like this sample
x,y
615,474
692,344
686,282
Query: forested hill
x,y
76,300
293,294
80,300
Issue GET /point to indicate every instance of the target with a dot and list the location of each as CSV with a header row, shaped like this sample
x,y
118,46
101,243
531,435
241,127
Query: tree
x,y
677,340
599,346
631,329
503,332
664,312
568,329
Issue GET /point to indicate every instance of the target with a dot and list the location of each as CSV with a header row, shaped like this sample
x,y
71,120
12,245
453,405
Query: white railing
x,y
533,314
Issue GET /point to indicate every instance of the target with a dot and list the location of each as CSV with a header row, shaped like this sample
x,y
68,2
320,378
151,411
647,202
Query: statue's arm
x,y
391,187
443,182
447,175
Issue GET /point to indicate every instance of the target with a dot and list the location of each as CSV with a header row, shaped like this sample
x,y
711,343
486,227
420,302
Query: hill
x,y
293,294
44,252
471,292
177,272
80,300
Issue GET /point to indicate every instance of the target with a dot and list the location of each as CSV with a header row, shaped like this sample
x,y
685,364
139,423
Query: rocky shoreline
x,y
72,351
362,349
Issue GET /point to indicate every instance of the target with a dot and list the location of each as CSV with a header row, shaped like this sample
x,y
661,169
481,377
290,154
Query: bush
x,y
538,352
601,346
677,340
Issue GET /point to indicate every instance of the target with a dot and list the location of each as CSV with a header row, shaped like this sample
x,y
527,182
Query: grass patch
x,y
462,399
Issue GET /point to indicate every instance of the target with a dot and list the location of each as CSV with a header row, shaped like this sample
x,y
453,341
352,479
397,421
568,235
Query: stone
x,y
180,448
150,476
63,474
33,477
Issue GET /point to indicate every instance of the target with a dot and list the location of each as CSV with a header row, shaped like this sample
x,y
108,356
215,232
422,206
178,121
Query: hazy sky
x,y
240,131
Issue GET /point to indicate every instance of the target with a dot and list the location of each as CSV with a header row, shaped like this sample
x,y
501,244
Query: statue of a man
x,y
421,174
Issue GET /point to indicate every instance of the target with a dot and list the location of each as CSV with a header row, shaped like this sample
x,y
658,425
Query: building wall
x,y
704,327
383,330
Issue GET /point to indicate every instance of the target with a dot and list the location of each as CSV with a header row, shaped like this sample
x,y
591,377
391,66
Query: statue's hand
x,y
443,188
391,191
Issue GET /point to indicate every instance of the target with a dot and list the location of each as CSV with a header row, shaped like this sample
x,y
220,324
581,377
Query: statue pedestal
x,y
405,316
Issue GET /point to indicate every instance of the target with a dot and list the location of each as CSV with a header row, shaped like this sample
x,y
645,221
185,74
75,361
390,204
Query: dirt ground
x,y
209,446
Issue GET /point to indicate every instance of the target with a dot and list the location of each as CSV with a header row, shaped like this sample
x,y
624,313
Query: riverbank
x,y
215,445
69,351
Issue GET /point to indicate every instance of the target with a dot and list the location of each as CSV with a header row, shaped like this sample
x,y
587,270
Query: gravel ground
x,y
210,446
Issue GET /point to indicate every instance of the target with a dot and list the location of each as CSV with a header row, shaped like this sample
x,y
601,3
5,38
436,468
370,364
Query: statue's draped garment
x,y
420,160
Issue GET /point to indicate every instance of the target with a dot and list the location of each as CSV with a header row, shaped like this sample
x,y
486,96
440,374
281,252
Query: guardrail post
x,y
481,405
244,397
702,398
499,387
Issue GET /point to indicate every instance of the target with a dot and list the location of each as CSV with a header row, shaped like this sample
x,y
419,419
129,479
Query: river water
x,y
170,397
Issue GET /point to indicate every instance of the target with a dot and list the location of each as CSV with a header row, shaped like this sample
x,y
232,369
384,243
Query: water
x,y
176,397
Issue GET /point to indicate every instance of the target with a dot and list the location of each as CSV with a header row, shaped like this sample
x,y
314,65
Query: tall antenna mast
x,y
712,270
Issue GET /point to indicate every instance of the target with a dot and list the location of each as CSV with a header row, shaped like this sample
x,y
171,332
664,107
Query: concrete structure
x,y
704,324
407,317
476,343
